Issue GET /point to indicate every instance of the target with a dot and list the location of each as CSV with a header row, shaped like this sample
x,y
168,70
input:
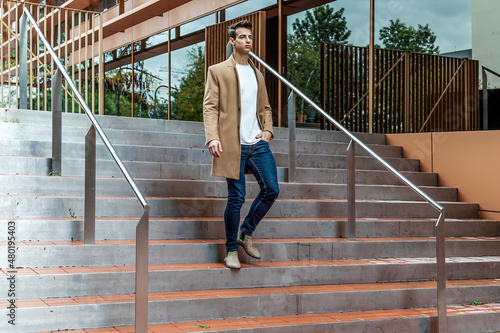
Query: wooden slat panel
x,y
436,84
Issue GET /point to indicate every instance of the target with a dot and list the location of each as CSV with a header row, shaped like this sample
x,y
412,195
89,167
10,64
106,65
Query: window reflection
x,y
188,78
247,7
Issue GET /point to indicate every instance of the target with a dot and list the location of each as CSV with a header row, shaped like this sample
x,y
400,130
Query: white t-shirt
x,y
249,126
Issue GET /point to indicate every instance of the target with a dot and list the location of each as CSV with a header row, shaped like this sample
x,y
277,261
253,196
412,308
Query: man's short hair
x,y
240,24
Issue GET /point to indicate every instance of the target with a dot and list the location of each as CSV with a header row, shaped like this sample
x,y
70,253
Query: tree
x,y
324,24
187,101
399,36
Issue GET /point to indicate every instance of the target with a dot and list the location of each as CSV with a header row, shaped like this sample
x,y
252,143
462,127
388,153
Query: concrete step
x,y
196,155
71,229
106,168
192,251
461,319
46,185
14,116
269,302
65,206
38,139
120,279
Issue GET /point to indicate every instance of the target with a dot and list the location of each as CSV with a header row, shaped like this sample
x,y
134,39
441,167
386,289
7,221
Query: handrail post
x,y
485,99
90,176
441,273
23,62
56,123
141,272
291,138
351,191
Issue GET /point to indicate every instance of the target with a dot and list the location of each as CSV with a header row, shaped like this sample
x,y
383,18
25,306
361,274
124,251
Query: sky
x,y
450,20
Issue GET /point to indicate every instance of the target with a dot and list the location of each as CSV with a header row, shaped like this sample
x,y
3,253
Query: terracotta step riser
x,y
42,185
479,322
191,253
26,117
69,317
65,285
200,207
72,229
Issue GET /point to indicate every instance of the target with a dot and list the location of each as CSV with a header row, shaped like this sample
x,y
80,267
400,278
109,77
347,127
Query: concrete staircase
x,y
311,279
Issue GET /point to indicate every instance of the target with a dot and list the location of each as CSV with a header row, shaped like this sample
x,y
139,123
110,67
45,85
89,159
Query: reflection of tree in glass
x,y
323,24
118,86
187,102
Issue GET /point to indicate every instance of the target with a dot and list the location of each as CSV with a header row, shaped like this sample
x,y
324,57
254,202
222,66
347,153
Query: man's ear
x,y
231,40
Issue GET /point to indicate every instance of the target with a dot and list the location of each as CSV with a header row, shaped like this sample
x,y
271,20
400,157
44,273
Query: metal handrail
x,y
440,235
142,234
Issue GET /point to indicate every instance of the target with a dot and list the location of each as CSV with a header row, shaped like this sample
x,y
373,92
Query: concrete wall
x,y
469,161
486,36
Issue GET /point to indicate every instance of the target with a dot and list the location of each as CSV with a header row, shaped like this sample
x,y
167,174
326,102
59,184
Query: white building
x,y
486,37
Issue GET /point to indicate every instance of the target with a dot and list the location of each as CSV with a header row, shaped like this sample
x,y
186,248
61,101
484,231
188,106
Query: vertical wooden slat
x,y
38,68
336,74
340,82
376,92
73,50
355,87
170,72
45,73
5,36
449,102
9,58
30,61
86,57
420,109
101,66
52,68
92,63
387,111
58,37
80,26
425,88
432,90
66,58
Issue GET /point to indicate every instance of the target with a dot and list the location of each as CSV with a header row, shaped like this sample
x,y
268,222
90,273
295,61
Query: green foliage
x,y
187,101
477,303
324,24
399,36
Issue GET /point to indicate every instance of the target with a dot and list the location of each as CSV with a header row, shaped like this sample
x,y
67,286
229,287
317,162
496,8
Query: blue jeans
x,y
259,159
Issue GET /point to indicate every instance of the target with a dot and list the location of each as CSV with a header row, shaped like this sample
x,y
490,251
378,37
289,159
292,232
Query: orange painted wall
x,y
467,160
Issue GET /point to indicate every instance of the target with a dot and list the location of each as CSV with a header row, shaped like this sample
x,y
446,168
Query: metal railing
x,y
142,229
76,36
440,231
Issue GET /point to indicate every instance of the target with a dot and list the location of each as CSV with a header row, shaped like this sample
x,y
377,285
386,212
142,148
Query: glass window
x,y
159,38
188,82
247,7
151,87
197,25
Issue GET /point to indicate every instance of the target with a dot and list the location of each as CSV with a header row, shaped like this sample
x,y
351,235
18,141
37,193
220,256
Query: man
x,y
238,128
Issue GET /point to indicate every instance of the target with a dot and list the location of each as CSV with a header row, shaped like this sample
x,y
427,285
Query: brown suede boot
x,y
246,242
232,260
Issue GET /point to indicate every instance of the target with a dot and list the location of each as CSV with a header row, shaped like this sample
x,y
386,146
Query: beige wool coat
x,y
222,114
